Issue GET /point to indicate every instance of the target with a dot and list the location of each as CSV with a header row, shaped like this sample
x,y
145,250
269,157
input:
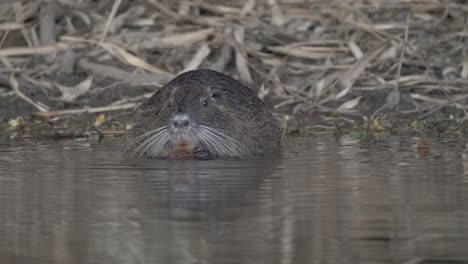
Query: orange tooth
x,y
183,150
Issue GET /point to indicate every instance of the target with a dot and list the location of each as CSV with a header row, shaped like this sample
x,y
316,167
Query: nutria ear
x,y
215,92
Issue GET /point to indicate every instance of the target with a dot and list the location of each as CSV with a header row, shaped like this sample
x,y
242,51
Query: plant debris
x,y
318,63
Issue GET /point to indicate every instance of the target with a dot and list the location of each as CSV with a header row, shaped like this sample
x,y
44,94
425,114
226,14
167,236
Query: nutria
x,y
203,114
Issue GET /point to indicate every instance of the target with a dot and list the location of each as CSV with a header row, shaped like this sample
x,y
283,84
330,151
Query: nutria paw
x,y
202,154
203,114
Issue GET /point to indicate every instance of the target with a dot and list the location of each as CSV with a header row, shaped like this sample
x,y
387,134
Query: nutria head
x,y
203,114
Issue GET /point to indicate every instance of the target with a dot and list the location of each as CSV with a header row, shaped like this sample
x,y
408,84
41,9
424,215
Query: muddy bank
x,y
73,69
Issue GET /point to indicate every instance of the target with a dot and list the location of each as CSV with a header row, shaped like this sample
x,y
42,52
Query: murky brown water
x,y
323,201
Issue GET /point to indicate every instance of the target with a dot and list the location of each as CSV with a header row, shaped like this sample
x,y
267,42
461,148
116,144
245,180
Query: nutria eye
x,y
204,102
216,95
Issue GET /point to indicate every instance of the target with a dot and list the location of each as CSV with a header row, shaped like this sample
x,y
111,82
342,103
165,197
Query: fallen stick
x,y
393,98
119,74
11,26
33,50
47,17
14,85
197,59
134,60
123,55
87,110
242,63
5,81
115,6
226,51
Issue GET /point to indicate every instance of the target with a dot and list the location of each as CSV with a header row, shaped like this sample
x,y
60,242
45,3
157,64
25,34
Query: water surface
x,y
323,200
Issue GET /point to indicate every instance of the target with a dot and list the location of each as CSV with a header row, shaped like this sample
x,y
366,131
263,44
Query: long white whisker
x,y
221,134
233,142
220,142
146,143
153,144
157,142
135,140
209,143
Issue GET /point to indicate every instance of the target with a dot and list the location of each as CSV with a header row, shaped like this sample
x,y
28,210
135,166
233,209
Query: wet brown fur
x,y
215,100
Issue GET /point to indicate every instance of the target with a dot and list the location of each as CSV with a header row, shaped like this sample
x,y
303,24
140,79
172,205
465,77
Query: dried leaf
x,y
319,87
15,122
350,104
262,92
198,58
390,53
411,79
186,39
100,119
241,55
135,61
376,124
464,72
355,50
277,17
184,8
423,148
71,93
393,99
248,7
220,9
352,74
307,52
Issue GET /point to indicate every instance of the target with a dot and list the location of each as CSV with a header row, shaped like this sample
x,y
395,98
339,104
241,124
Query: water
x,y
324,200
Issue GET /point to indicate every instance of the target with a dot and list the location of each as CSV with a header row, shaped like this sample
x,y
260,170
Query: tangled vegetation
x,y
70,68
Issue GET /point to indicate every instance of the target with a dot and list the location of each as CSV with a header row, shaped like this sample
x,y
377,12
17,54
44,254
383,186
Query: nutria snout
x,y
203,114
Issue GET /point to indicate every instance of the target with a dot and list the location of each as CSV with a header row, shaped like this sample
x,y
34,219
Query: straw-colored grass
x,y
351,60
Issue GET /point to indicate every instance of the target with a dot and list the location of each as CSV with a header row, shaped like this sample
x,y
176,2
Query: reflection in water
x,y
323,201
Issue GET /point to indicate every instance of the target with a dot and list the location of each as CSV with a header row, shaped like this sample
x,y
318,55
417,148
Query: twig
x,y
402,53
11,26
164,9
22,82
47,22
123,55
134,60
32,51
133,99
87,110
198,58
226,51
442,103
114,9
393,98
241,55
119,74
15,86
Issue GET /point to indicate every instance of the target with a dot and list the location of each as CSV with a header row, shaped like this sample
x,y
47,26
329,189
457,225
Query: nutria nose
x,y
181,121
